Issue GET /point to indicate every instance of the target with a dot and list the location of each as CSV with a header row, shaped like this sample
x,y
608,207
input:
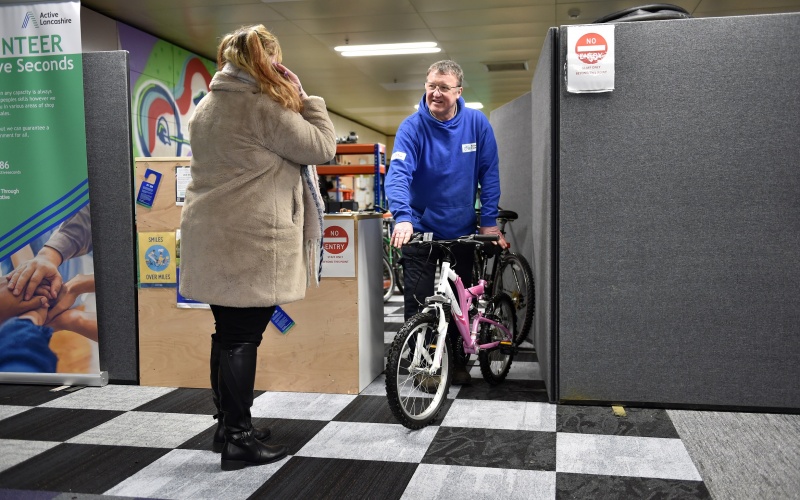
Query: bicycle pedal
x,y
507,348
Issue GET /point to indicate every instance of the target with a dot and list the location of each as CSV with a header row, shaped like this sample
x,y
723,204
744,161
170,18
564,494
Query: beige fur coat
x,y
242,224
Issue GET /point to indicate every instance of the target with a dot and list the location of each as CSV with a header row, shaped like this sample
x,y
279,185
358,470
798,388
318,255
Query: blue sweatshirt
x,y
435,170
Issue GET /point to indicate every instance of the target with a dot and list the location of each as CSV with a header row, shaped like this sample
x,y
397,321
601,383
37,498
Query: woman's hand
x,y
80,284
293,79
42,269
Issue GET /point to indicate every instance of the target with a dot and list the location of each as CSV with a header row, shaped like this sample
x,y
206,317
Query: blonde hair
x,y
254,49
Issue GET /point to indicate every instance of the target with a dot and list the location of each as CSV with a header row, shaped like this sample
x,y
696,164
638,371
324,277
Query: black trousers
x,y
240,325
419,271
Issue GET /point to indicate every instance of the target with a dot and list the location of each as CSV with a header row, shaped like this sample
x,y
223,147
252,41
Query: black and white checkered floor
x,y
501,442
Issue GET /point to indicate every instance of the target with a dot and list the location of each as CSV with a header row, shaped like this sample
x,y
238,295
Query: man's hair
x,y
447,67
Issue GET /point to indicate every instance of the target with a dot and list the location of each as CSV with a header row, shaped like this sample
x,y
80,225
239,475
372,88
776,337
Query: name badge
x,y
469,148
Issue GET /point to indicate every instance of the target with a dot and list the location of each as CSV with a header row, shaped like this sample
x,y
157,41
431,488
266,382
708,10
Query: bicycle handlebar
x,y
418,239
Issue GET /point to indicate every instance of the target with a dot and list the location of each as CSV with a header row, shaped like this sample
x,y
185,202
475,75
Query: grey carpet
x,y
743,455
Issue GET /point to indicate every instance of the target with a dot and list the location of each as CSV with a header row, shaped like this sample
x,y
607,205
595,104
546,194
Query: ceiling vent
x,y
507,66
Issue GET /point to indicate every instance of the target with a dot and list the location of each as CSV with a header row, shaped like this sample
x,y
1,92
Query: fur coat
x,y
242,223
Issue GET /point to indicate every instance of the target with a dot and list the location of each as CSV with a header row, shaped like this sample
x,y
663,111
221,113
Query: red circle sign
x,y
591,48
335,240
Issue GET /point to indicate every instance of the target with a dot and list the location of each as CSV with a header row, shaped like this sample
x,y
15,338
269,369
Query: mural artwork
x,y
167,82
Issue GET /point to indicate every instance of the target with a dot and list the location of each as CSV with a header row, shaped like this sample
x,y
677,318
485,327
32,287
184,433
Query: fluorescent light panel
x,y
388,49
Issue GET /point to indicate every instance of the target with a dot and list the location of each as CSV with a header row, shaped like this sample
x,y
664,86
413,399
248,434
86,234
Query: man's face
x,y
441,94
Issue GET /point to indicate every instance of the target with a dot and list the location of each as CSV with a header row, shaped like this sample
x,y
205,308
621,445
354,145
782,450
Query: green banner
x,y
45,226
43,170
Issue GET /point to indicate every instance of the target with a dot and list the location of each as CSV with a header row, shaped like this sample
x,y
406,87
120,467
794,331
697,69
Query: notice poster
x,y
590,58
157,259
338,245
44,193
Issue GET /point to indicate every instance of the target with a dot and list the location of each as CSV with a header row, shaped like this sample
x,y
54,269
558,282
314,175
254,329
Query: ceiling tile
x,y
361,24
482,17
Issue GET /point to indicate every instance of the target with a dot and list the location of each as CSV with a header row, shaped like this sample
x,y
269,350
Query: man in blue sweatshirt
x,y
441,154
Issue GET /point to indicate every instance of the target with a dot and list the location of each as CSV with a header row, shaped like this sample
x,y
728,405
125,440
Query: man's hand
x,y
402,233
11,305
42,268
494,230
80,284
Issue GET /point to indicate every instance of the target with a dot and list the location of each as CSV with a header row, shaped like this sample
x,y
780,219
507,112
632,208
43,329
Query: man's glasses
x,y
431,87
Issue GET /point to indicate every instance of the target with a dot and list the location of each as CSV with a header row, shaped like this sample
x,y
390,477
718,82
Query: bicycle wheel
x,y
415,395
477,265
496,362
388,280
516,279
398,269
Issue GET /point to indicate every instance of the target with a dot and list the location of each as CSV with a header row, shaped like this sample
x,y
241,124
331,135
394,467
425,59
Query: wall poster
x,y
167,82
45,228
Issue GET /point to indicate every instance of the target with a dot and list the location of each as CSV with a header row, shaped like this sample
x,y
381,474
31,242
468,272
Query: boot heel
x,y
216,446
233,464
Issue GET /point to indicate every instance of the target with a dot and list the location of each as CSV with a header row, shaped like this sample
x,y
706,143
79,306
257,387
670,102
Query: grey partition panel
x,y
679,218
544,151
108,136
512,129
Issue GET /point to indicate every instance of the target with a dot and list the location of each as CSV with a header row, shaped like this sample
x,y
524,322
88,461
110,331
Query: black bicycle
x,y
509,272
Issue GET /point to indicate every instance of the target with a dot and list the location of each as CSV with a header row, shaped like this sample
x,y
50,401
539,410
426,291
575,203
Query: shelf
x,y
359,149
349,169
377,168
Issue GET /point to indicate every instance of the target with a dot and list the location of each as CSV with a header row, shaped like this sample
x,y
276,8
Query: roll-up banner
x,y
45,227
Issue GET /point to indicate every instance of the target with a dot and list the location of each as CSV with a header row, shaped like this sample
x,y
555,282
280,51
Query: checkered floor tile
x,y
502,441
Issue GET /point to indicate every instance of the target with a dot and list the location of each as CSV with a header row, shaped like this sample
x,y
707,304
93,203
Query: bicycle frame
x,y
459,308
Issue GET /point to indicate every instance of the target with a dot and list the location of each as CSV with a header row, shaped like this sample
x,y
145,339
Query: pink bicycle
x,y
418,372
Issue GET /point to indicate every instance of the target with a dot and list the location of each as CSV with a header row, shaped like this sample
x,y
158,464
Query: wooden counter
x,y
335,346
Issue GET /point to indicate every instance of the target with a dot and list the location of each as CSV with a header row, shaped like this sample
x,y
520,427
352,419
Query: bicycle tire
x,y
495,363
388,280
515,278
398,270
412,399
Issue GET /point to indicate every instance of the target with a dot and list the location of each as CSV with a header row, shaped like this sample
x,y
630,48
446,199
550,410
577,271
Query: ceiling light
x,y
388,49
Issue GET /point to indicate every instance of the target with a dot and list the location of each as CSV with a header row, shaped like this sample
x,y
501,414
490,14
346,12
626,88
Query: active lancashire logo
x,y
29,18
44,19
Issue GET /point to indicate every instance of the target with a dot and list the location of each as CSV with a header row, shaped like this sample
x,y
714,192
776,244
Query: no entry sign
x,y
335,239
339,245
590,58
591,48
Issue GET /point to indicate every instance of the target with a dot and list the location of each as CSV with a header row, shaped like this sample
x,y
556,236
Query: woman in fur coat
x,y
252,222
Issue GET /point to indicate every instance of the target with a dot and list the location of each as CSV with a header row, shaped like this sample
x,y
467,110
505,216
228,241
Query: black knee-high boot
x,y
260,433
237,373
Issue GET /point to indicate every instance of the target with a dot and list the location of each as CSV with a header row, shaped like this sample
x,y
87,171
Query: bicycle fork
x,y
434,363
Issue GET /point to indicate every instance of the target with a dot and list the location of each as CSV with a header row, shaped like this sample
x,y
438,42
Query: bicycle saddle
x,y
507,215
651,12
